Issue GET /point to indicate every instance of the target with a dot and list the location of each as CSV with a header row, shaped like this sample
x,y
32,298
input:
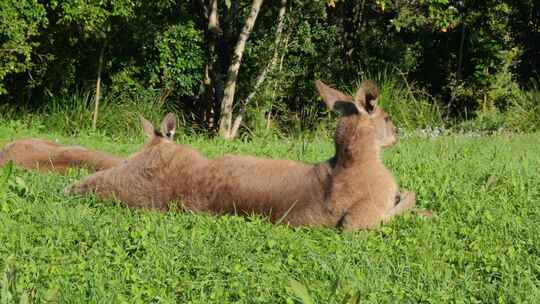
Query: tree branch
x,y
260,79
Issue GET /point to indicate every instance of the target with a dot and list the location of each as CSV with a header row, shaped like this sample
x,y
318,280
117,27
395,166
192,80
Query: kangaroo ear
x,y
147,126
168,126
367,95
331,95
346,108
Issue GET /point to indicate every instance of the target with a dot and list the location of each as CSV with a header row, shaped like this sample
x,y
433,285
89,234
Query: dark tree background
x,y
468,56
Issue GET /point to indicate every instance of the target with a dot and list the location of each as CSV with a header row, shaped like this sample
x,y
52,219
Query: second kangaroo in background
x,y
44,155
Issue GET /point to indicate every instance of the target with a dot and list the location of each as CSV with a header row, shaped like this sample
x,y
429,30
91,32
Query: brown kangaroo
x,y
352,190
44,155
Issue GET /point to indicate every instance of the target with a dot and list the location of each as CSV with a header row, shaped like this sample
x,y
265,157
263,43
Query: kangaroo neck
x,y
364,149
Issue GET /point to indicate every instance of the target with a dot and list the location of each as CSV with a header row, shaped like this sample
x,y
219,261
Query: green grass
x,y
483,244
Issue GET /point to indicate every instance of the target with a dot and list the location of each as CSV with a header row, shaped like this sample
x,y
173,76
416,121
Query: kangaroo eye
x,y
397,199
387,119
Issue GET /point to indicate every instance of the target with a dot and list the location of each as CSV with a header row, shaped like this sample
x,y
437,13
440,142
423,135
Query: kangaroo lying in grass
x,y
352,190
44,155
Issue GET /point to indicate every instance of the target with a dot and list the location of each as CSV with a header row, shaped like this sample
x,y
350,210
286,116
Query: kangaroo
x,y
44,155
352,190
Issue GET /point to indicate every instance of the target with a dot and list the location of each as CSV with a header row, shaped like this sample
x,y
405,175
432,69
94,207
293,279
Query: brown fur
x,y
43,155
352,190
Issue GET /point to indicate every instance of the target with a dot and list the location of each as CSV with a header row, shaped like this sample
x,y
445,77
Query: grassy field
x,y
483,245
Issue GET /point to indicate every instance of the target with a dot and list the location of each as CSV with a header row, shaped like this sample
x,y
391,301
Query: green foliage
x,y
303,295
301,292
7,169
484,121
92,15
435,15
466,56
504,104
524,112
126,87
481,246
8,287
20,23
466,48
180,58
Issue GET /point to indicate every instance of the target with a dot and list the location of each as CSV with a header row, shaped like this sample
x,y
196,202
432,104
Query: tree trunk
x,y
260,79
225,125
212,76
213,20
269,116
207,109
98,85
460,54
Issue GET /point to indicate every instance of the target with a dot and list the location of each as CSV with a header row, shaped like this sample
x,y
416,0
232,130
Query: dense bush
x,y
466,59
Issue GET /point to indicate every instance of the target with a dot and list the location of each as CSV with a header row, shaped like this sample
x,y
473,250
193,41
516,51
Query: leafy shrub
x,y
409,107
524,112
180,58
20,22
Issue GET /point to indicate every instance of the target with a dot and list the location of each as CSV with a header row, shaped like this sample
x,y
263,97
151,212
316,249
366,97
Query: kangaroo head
x,y
166,133
355,109
155,137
